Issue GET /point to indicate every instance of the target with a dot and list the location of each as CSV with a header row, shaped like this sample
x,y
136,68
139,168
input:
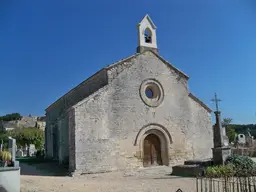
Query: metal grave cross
x,y
216,101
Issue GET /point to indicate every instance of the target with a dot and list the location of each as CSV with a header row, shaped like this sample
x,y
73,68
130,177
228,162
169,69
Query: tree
x,y
10,117
230,131
33,136
25,136
226,121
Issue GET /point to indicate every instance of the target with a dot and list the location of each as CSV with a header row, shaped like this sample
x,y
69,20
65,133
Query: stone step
x,y
187,170
203,163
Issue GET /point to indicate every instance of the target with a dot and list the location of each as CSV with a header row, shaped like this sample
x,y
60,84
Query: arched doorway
x,y
152,151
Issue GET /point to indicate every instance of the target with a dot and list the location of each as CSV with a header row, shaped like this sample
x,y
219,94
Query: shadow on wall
x,y
2,189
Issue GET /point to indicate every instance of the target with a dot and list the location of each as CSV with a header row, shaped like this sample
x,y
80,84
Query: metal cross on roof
x,y
216,101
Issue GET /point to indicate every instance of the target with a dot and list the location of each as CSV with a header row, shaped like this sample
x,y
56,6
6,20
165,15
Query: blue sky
x,y
48,47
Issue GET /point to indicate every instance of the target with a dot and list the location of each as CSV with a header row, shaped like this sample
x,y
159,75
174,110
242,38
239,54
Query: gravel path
x,y
113,182
38,179
148,180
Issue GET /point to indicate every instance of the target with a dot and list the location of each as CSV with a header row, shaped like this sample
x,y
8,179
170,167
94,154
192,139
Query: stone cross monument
x,y
220,151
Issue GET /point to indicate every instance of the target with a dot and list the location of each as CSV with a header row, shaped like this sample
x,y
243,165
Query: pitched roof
x,y
134,56
158,56
80,84
199,102
150,21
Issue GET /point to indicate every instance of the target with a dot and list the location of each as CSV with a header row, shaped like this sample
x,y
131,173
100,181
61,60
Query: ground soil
x,y
36,179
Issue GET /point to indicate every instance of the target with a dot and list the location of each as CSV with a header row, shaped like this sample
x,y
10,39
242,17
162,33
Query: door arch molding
x,y
150,126
163,135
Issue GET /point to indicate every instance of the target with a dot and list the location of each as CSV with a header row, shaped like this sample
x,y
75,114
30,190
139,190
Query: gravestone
x,y
221,150
32,149
241,139
25,150
12,149
19,153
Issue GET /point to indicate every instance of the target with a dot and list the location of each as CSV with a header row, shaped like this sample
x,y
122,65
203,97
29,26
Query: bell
x,y
148,39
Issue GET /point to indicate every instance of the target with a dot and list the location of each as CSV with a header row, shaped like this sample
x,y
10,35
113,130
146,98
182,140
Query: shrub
x,y
5,159
25,136
5,156
40,153
243,165
220,171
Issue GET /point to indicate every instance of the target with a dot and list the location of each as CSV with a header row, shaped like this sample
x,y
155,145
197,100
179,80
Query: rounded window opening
x,y
151,92
148,36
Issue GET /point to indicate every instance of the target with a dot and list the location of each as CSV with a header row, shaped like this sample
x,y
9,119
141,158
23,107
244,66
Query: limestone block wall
x,y
61,128
63,152
106,124
93,149
87,88
201,131
57,117
80,92
72,139
48,138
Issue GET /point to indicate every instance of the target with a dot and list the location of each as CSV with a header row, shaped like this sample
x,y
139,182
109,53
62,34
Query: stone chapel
x,y
137,112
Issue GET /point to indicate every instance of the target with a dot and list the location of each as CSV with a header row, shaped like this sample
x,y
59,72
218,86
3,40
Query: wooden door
x,y
152,151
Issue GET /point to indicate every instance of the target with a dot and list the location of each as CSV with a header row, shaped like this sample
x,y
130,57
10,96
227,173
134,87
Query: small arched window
x,y
148,35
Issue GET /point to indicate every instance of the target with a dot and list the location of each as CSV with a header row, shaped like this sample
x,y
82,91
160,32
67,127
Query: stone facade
x,y
101,124
105,129
57,119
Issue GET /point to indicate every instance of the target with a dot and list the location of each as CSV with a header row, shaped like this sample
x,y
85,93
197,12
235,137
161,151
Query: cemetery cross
x,y
216,101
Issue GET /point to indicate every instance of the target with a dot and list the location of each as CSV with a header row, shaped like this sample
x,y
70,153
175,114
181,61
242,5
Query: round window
x,y
151,92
